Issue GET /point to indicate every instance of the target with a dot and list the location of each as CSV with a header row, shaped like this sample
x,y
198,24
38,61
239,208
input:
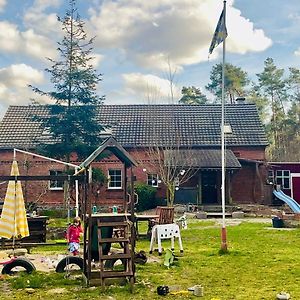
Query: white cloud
x,y
27,42
297,52
96,59
41,22
9,36
242,36
151,32
20,76
150,88
14,82
2,5
38,45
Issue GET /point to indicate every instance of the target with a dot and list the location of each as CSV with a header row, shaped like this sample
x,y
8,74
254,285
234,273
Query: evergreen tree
x,y
192,95
293,116
236,81
273,86
72,121
254,95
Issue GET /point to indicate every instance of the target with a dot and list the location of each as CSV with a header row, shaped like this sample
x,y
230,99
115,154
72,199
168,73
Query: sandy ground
x,y
48,263
41,262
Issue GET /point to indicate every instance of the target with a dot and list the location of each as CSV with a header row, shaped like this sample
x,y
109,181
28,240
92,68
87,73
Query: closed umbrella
x,y
13,221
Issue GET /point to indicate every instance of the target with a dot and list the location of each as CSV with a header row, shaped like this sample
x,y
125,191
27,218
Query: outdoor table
x,y
143,218
37,229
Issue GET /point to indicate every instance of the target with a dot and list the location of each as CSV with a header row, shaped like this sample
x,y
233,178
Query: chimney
x,y
240,100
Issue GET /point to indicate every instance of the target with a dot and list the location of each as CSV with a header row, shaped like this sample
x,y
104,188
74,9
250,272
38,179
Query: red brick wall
x,y
249,185
255,153
244,187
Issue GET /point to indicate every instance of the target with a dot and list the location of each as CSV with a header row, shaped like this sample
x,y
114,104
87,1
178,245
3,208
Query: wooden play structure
x,y
101,230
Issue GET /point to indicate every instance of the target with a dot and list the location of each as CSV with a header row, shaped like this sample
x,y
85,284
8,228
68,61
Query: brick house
x,y
191,128
287,176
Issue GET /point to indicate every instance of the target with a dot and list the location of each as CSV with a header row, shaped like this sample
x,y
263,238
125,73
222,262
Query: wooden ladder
x,y
121,235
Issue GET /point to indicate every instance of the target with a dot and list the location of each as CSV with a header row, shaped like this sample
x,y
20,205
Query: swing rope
x,y
67,275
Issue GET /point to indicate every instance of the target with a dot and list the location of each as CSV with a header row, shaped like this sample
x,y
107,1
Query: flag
x,y
220,33
13,221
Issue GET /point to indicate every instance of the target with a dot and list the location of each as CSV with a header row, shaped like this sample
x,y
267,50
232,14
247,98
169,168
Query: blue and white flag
x,y
220,33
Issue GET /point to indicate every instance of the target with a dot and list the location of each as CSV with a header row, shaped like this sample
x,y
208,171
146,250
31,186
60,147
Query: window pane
x,y
279,181
286,183
56,184
152,180
271,176
286,173
115,178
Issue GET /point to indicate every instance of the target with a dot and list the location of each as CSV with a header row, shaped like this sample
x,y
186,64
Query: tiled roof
x,y
143,125
203,159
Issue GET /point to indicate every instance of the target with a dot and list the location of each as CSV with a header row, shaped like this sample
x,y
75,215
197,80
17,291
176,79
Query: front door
x,y
209,187
296,188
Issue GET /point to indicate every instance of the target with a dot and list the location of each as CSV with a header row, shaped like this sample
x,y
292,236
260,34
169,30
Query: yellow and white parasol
x,y
13,221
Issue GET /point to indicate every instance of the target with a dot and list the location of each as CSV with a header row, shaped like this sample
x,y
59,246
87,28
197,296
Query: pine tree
x,y
236,81
192,95
72,121
273,85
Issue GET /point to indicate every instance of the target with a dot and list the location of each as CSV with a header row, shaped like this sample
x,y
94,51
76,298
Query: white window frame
x,y
110,175
152,180
54,185
271,177
283,177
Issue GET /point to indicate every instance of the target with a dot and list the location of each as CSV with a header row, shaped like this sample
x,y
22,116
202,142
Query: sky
x,y
139,44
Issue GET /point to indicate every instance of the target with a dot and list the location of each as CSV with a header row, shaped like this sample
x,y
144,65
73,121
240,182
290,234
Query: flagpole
x,y
223,192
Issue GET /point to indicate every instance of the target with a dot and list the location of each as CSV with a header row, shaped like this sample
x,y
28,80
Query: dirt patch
x,y
41,262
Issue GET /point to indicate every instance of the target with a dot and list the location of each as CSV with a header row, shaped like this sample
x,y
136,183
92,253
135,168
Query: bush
x,y
54,213
146,194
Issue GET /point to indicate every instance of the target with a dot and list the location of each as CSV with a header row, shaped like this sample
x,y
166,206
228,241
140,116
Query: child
x,y
73,236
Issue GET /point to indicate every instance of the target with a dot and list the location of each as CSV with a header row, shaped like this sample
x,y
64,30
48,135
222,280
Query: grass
x,y
57,223
261,262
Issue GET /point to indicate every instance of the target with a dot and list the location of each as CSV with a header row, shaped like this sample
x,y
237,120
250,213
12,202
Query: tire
x,y
19,262
69,260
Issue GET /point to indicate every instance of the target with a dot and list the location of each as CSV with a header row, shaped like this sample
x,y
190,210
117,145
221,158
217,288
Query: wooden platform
x,y
218,215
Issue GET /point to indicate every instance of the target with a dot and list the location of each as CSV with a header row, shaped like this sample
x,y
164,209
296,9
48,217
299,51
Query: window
x,y
283,178
56,184
152,180
115,179
270,177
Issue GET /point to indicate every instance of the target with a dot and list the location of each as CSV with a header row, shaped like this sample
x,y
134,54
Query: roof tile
x,y
143,125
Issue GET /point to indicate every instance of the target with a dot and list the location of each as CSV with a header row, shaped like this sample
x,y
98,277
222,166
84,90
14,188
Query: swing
x,y
64,265
17,262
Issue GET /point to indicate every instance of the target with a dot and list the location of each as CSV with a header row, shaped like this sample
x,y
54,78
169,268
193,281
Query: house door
x,y
186,195
209,187
296,188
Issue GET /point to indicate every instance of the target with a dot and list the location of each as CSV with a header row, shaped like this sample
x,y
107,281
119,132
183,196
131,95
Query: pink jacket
x,y
73,234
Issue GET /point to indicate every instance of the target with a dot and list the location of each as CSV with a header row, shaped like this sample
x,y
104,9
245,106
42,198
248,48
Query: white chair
x,y
162,232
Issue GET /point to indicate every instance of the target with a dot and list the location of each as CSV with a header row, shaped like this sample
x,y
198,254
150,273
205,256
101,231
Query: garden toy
x,y
169,258
162,290
283,296
182,222
17,262
63,264
165,231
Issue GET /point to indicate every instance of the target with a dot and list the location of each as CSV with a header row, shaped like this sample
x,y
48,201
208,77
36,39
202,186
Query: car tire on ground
x,y
69,260
19,262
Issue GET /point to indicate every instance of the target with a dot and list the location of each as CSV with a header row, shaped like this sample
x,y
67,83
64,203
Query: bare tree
x,y
165,154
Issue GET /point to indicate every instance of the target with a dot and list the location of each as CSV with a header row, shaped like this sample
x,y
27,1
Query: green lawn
x,y
261,262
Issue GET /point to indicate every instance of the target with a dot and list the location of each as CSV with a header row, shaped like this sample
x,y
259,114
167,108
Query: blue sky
x,y
138,42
